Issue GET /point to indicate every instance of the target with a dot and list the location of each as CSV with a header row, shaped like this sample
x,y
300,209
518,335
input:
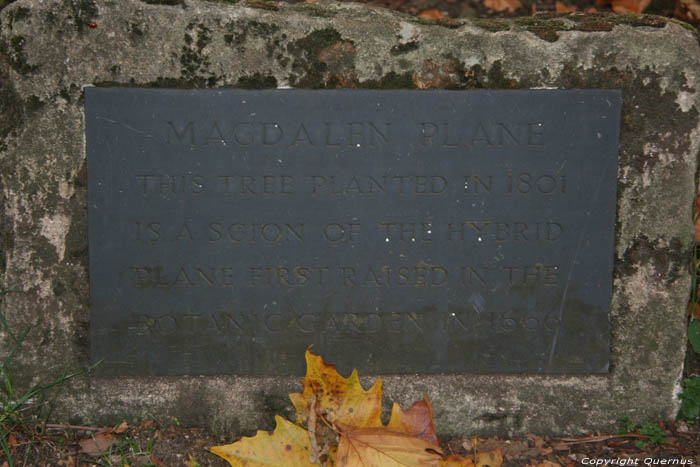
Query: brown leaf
x,y
625,6
694,310
70,461
503,5
514,450
416,421
201,443
11,440
481,459
98,444
688,10
545,463
490,444
383,447
432,13
123,426
337,398
562,8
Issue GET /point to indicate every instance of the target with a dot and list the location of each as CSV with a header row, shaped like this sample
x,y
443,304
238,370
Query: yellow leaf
x,y
382,447
287,446
456,461
416,421
338,399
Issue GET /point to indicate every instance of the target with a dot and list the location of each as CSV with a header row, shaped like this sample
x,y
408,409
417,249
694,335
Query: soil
x,y
153,444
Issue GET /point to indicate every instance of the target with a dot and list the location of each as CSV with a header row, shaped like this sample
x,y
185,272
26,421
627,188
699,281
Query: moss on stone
x,y
311,9
257,81
135,32
683,24
491,25
545,30
241,30
404,48
391,80
18,14
262,5
33,104
83,11
193,61
164,2
14,53
307,70
451,23
594,26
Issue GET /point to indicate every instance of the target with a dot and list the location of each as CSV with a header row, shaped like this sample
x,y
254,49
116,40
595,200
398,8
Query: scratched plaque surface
x,y
395,231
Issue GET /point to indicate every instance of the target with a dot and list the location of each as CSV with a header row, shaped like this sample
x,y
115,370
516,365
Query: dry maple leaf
x,y
383,447
503,5
338,399
288,445
416,421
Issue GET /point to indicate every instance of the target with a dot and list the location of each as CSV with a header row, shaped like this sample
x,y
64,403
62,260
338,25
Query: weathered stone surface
x,y
49,51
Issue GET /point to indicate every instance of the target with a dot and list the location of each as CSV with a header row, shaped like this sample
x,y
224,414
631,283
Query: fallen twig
x,y
594,439
58,426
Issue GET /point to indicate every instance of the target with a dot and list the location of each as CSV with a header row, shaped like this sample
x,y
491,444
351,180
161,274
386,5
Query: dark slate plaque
x,y
395,231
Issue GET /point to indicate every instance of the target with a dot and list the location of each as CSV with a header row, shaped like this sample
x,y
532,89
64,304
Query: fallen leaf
x,y
560,7
467,444
338,399
456,461
625,6
383,447
11,440
287,445
432,13
488,459
481,459
490,444
503,5
98,444
591,10
416,421
70,461
536,440
689,10
694,310
515,449
123,426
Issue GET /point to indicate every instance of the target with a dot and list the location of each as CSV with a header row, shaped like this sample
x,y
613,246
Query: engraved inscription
x,y
393,231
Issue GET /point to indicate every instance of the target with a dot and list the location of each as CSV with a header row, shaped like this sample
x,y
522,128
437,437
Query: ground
x,y
167,444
